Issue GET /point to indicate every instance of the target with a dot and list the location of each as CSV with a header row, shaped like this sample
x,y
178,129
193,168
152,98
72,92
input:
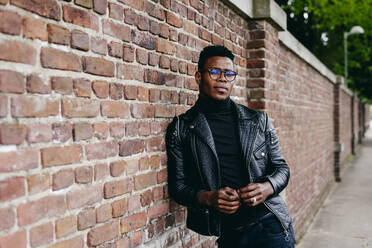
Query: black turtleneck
x,y
221,118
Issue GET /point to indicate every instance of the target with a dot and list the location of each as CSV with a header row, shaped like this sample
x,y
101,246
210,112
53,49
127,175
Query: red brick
x,y
11,82
10,22
100,6
37,83
57,59
130,16
114,109
34,29
122,243
86,218
144,180
134,203
143,23
142,110
52,156
3,106
100,171
62,132
130,72
46,8
116,91
154,95
164,62
12,188
103,233
164,31
115,49
84,197
130,147
117,168
99,45
154,77
158,210
116,11
80,40
22,159
154,161
137,4
164,46
84,174
101,150
133,222
48,206
131,166
130,92
100,130
154,27
119,31
4,2
38,183
37,133
8,218
73,108
119,208
80,17
128,53
154,11
143,94
12,134
65,226
144,40
164,111
116,188
162,176
63,179
155,144
82,131
76,242
136,239
58,34
98,66
173,20
85,3
42,234
14,51
154,59
103,213
18,239
101,89
144,163
82,87
117,129
146,198
131,129
62,85
142,56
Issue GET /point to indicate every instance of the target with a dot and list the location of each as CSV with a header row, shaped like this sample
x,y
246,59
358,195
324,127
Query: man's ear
x,y
198,77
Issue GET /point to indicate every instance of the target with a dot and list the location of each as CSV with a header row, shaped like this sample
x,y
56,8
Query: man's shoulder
x,y
246,112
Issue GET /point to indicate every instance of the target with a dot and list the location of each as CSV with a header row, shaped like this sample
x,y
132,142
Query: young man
x,y
225,164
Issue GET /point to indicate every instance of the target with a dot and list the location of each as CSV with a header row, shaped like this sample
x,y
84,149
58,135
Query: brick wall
x,y
87,89
345,126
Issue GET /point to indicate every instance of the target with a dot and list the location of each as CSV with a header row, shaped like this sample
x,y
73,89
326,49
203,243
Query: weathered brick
x,y
153,59
86,218
116,188
134,203
11,82
144,40
130,147
7,219
116,91
98,45
103,213
46,8
62,155
142,110
155,144
101,89
117,168
80,40
117,129
37,83
14,51
136,239
115,49
130,72
154,161
62,85
82,131
37,133
48,206
133,222
154,27
142,56
114,109
146,198
154,10
42,234
137,4
72,108
119,31
154,77
157,210
58,34
143,23
98,66
84,197
164,62
30,106
101,150
116,11
62,132
57,59
100,171
82,87
162,176
128,53
84,174
173,20
12,134
63,179
103,233
3,106
12,188
10,22
22,159
164,111
144,129
143,94
100,6
80,17
130,92
100,130
65,226
85,3
34,29
119,207
122,243
18,239
164,31
131,129
144,180
76,242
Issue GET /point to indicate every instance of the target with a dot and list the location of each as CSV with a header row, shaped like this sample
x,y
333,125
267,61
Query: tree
x,y
320,24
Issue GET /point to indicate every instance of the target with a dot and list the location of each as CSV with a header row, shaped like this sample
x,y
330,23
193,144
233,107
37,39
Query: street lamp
x,y
353,30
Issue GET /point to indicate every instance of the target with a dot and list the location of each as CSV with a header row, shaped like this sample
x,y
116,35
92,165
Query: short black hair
x,y
211,51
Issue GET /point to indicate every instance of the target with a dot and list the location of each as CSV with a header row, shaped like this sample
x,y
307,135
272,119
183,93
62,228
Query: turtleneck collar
x,y
209,105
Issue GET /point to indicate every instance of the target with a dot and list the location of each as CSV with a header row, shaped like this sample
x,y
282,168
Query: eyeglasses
x,y
216,73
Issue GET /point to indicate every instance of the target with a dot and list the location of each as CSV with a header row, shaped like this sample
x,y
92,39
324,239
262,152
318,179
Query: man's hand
x,y
225,200
255,193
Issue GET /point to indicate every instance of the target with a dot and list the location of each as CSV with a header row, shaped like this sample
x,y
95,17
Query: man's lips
x,y
220,88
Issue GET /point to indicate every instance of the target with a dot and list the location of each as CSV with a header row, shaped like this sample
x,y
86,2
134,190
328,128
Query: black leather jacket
x,y
193,164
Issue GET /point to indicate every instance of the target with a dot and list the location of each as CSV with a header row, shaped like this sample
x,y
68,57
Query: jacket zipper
x,y
281,223
250,155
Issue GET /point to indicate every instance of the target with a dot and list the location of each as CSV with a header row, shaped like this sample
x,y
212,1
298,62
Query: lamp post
x,y
353,30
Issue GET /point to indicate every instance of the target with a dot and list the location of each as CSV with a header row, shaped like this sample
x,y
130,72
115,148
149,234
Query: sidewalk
x,y
345,219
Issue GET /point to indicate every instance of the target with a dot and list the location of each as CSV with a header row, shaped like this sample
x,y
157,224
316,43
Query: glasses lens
x,y
215,73
230,75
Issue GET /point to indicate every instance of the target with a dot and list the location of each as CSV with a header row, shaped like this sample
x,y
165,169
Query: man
x,y
225,164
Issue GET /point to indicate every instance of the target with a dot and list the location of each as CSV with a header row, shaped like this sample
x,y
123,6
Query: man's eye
x,y
230,73
214,71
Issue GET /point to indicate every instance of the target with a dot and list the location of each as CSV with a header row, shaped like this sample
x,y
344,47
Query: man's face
x,y
218,89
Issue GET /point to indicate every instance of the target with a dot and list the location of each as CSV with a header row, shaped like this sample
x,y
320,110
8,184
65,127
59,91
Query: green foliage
x,y
310,20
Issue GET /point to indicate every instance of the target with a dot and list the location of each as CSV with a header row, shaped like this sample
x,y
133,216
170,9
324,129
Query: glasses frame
x,y
222,72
